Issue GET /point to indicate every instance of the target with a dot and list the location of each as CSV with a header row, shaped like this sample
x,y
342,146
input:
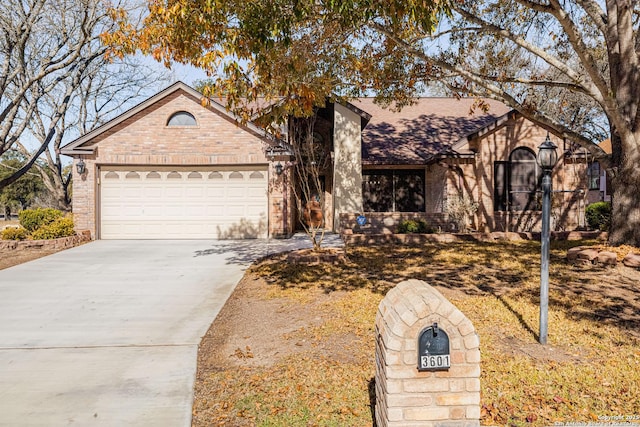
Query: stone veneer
x,y
51,244
409,398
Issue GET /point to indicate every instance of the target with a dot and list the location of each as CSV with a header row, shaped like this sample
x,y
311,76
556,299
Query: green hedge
x,y
599,216
33,219
14,233
40,224
61,227
414,226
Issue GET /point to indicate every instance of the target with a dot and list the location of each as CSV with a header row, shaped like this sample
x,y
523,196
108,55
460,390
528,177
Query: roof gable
x,y
84,144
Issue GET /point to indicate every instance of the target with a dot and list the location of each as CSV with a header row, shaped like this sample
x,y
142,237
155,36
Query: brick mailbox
x,y
427,361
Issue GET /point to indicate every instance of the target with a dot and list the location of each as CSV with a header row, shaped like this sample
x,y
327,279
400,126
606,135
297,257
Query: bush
x,y
33,219
460,209
414,226
14,233
599,216
61,227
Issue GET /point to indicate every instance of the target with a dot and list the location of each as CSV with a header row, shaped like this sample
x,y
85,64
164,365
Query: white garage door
x,y
183,203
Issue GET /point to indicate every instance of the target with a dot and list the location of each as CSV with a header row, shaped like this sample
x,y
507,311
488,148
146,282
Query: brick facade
x,y
144,140
406,397
476,178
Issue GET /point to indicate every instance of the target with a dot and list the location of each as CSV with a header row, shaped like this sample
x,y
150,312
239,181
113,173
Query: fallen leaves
x,y
590,368
243,354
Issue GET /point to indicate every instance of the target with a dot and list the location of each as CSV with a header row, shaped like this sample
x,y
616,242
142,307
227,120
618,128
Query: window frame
x,y
593,182
503,182
389,187
180,116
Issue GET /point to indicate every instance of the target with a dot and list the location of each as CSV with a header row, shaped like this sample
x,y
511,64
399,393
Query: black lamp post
x,y
547,158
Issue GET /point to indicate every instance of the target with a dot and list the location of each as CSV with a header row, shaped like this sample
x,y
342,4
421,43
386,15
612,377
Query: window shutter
x,y
500,188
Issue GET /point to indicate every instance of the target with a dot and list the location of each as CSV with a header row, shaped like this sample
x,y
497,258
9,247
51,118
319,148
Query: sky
x,y
187,74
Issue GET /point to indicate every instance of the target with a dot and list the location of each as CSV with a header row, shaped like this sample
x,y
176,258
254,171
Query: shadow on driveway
x,y
248,251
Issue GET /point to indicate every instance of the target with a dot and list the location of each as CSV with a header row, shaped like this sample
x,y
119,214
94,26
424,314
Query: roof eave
x,y
78,151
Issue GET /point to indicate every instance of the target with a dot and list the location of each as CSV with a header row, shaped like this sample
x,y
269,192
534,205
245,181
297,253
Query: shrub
x,y
33,219
460,209
599,216
15,233
414,226
61,227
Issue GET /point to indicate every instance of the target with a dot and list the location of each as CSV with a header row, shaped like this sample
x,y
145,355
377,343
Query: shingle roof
x,y
419,132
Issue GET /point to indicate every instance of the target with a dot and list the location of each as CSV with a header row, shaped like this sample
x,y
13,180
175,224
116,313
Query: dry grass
x,y
589,370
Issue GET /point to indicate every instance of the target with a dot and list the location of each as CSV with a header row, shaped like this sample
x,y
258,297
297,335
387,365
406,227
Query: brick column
x,y
409,398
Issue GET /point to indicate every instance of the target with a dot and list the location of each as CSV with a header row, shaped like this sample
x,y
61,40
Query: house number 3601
x,y
428,362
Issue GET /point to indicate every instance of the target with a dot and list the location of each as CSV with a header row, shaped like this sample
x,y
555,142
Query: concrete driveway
x,y
107,333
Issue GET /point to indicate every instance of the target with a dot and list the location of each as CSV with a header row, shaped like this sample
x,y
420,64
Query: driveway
x,y
107,333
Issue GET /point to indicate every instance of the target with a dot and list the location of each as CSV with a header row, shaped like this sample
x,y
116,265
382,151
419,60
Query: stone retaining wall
x,y
388,222
355,239
407,397
52,244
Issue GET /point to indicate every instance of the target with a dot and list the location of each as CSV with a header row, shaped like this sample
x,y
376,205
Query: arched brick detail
x,y
409,398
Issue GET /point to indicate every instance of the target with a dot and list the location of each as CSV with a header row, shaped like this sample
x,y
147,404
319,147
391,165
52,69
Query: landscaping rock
x,y
632,260
588,254
61,243
607,258
572,254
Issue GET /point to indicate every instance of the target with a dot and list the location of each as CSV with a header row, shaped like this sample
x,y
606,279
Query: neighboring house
x,y
173,168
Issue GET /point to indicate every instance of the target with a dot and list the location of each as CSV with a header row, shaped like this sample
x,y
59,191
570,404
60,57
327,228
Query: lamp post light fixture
x,y
81,167
547,158
279,168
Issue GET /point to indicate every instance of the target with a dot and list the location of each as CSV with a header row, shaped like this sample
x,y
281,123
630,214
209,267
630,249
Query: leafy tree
x,y
56,83
23,192
571,66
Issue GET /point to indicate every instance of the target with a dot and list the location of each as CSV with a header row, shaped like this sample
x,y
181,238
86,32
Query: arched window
x,y
182,118
517,181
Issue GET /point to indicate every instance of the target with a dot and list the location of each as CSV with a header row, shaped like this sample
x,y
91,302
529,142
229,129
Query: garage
x,y
183,203
175,167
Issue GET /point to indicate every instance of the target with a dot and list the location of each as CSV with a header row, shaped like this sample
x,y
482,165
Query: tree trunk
x,y
625,201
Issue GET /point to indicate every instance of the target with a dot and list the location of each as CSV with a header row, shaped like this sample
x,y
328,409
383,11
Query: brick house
x,y
172,167
441,148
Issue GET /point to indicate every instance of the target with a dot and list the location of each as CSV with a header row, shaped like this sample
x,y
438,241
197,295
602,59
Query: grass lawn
x,y
294,345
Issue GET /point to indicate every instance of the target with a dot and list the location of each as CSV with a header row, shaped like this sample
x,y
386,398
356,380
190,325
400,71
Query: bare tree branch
x,y
55,82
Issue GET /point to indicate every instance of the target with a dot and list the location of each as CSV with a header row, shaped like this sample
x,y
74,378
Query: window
x,y
182,118
593,176
516,182
393,191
